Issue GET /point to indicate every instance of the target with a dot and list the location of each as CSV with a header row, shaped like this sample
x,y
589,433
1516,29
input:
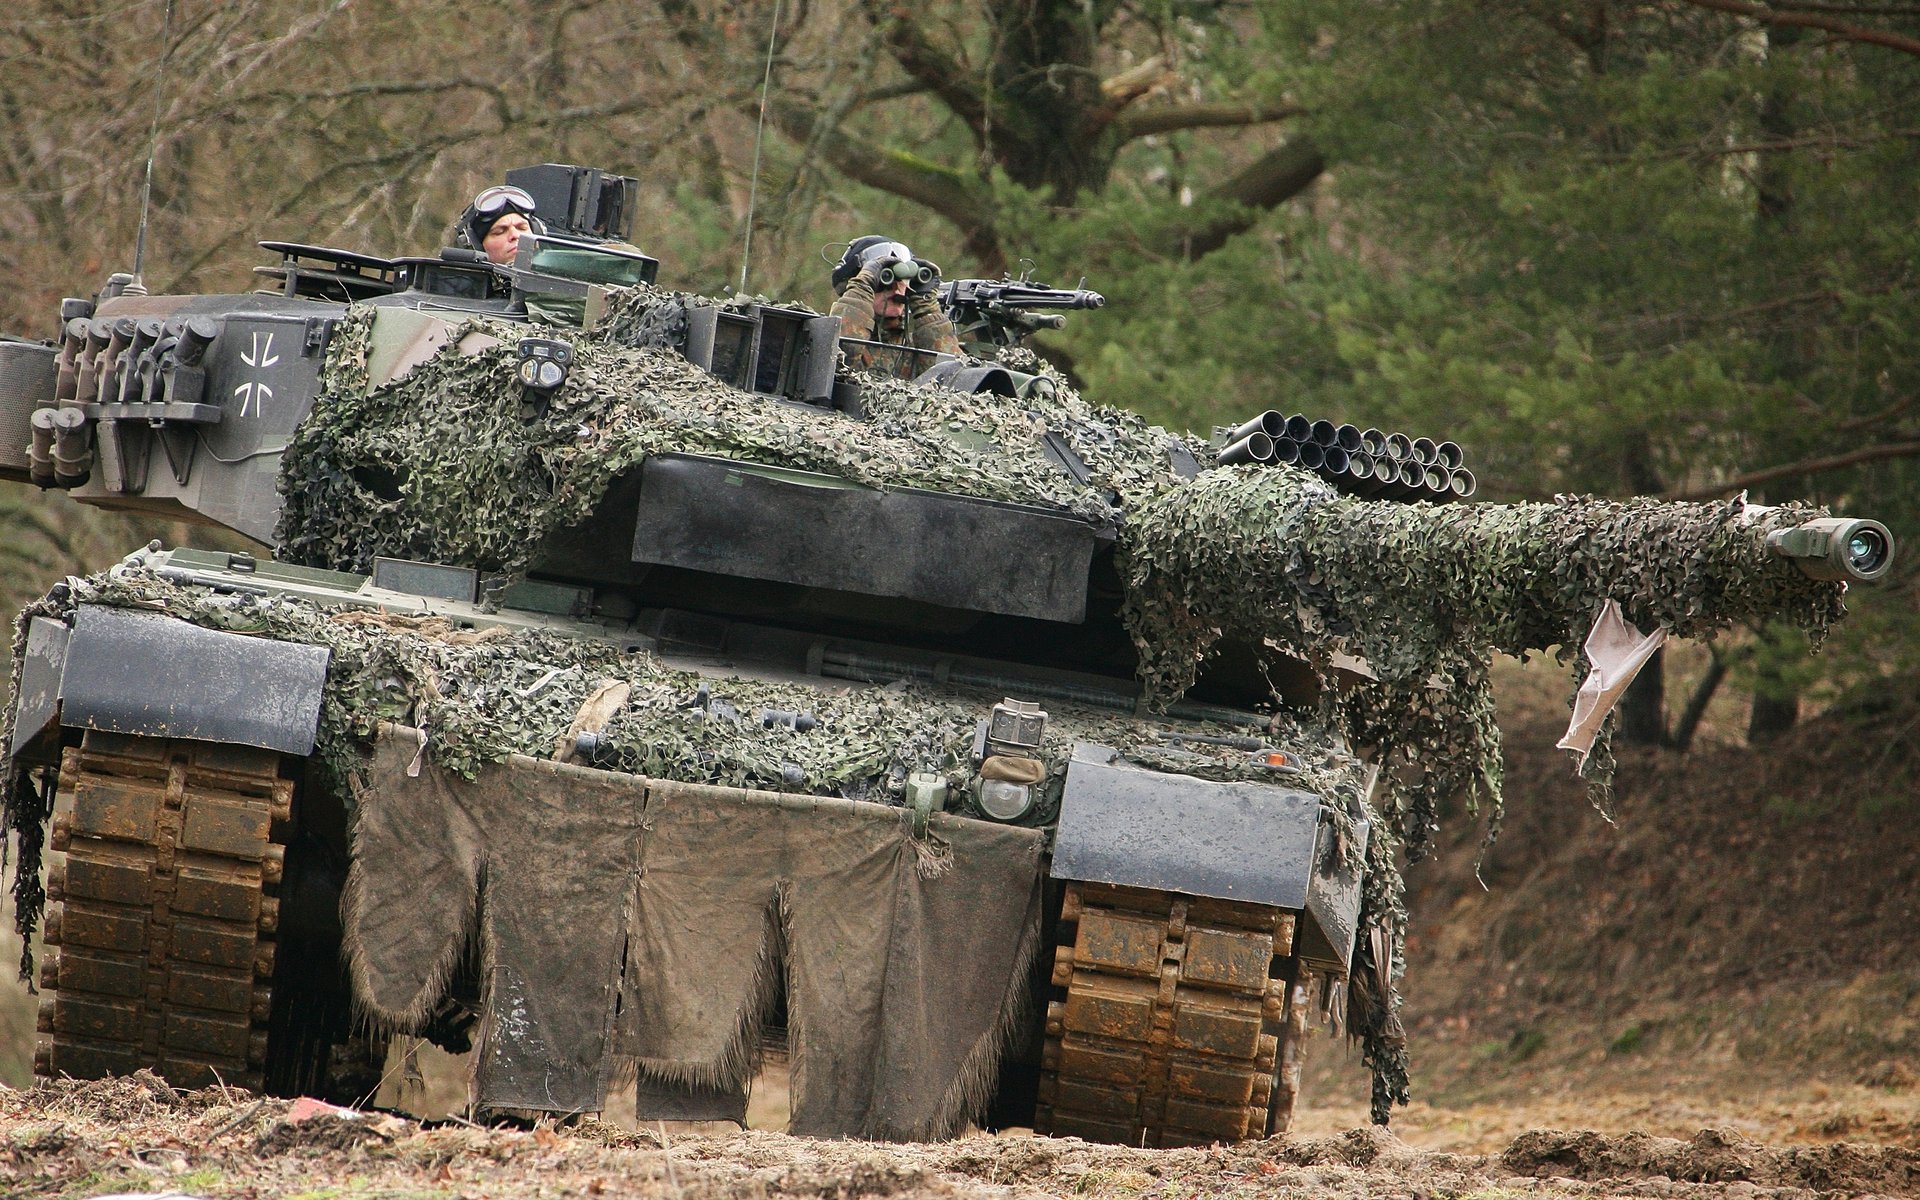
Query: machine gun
x,y
997,312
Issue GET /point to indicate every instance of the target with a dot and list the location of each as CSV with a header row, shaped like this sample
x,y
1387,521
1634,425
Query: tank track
x,y
1174,1015
161,926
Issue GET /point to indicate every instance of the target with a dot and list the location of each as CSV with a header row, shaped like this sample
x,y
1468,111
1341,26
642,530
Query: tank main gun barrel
x,y
1260,554
1849,548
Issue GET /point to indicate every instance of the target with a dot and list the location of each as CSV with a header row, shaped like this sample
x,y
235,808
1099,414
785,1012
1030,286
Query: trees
x,y
937,102
1653,247
1665,246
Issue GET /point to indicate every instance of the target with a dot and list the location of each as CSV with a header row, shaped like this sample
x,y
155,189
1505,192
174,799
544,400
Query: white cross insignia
x,y
260,356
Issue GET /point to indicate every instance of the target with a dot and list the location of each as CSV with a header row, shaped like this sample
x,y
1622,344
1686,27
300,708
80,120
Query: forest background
x,y
1666,248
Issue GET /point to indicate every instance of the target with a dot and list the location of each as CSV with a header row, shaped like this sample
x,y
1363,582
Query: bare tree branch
x,y
956,196
1808,466
1807,20
1270,180
1174,117
927,65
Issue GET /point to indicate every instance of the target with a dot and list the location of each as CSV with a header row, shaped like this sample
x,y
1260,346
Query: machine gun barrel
x,y
1005,294
1002,312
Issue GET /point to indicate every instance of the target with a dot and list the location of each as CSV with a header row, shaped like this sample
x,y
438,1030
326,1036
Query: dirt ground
x,y
135,1135
1714,994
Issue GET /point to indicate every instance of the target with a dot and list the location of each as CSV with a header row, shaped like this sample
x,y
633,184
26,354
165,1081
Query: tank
x,y
623,685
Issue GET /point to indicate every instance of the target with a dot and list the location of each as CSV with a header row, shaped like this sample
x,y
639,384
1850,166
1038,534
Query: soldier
x,y
495,221
886,295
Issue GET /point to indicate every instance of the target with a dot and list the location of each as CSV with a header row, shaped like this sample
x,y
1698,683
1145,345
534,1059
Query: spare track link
x,y
160,923
1170,1030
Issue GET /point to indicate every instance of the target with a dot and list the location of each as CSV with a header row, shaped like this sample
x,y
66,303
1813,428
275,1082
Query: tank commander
x,y
884,294
496,220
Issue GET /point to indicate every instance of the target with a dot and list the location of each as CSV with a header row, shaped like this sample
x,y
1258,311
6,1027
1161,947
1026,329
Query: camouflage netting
x,y
442,465
483,695
447,464
1424,594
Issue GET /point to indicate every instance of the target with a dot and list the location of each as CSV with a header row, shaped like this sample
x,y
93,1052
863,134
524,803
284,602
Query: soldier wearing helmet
x,y
494,223
887,295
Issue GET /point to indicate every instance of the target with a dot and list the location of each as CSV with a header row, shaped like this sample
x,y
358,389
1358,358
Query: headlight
x,y
1004,801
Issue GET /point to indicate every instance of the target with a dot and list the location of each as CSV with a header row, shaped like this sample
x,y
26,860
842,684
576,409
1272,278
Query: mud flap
x,y
157,676
1257,843
38,700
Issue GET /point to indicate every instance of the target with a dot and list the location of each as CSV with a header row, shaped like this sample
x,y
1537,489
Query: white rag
x,y
1616,652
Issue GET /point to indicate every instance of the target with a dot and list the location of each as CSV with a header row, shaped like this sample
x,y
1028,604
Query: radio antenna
x,y
153,143
759,135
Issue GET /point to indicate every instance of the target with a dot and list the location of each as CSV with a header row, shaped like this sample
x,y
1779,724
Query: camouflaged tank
x,y
625,685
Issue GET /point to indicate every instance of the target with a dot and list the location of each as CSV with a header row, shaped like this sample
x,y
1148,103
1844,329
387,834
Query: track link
x,y
160,919
1170,1030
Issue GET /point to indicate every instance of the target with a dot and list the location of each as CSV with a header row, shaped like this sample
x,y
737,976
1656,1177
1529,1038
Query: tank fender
x,y
158,676
1254,842
38,702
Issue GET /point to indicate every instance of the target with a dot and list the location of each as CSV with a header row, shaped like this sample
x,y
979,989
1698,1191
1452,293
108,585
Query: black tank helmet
x,y
863,250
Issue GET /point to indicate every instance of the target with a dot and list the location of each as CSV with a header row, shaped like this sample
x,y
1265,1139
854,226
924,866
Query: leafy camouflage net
x,y
1425,594
481,695
447,464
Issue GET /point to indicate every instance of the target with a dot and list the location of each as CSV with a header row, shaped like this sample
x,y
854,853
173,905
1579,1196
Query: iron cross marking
x,y
259,356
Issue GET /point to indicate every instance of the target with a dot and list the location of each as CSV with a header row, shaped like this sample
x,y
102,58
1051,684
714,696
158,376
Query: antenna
x,y
138,286
759,134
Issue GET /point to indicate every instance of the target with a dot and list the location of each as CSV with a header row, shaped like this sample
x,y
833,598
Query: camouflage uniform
x,y
925,327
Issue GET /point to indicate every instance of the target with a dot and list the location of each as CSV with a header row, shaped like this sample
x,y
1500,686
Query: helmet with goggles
x,y
492,204
863,251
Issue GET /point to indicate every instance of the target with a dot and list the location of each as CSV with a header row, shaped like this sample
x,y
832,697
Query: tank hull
x,y
587,929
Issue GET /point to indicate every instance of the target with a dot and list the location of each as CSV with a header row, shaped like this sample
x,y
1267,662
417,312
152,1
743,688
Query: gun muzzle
x,y
1850,548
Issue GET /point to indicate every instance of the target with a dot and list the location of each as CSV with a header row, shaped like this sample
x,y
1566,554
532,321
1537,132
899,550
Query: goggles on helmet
x,y
886,251
503,198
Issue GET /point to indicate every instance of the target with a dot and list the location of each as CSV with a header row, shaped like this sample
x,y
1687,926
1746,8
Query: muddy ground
x,y
1714,994
87,1139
